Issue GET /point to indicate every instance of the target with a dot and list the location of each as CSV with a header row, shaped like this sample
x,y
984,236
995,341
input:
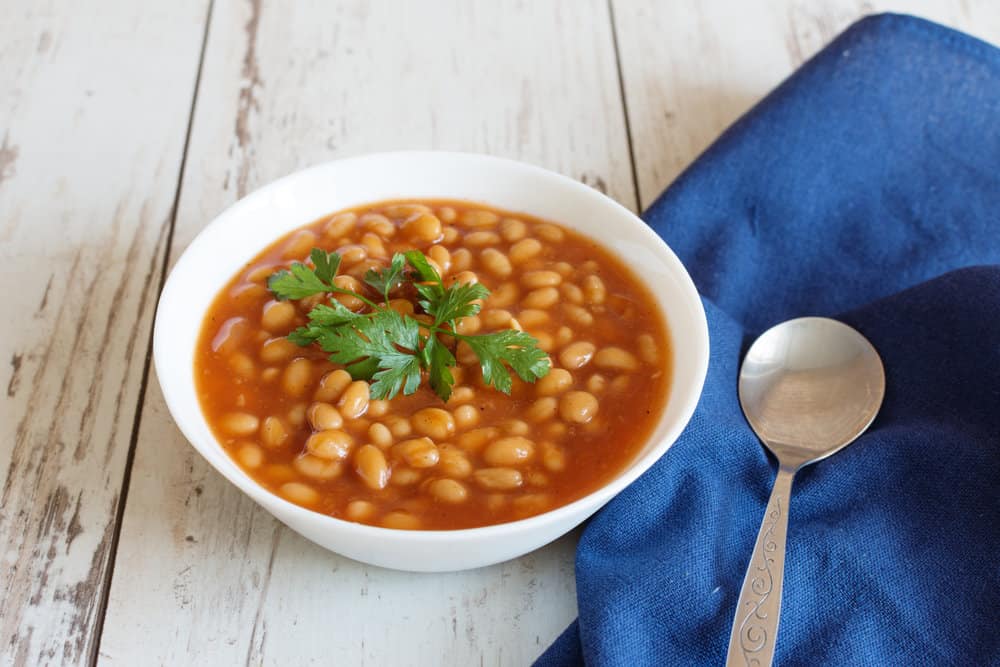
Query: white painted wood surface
x,y
95,104
90,147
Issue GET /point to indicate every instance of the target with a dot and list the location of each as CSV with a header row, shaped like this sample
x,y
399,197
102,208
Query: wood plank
x,y
202,574
90,152
691,68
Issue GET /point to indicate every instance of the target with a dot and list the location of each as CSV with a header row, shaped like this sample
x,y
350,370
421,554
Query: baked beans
x,y
303,428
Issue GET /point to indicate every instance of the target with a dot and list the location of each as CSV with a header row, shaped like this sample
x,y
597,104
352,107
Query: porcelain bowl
x,y
244,229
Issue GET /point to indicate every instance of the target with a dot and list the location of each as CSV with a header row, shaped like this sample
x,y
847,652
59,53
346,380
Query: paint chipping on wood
x,y
595,181
248,102
15,370
44,42
8,158
45,297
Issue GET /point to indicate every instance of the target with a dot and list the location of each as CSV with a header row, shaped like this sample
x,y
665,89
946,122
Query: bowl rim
x,y
596,498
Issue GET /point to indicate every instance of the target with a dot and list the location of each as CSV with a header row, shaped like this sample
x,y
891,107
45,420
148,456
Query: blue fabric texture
x,y
866,187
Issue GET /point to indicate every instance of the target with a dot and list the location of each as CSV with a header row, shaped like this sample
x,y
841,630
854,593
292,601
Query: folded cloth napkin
x,y
867,187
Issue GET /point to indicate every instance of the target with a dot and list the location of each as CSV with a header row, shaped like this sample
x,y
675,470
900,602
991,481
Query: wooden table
x,y
126,126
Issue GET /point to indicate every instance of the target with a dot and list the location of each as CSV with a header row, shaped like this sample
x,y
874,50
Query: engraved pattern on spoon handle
x,y
755,627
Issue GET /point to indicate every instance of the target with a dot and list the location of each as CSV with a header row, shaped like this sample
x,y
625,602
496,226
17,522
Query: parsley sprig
x,y
392,350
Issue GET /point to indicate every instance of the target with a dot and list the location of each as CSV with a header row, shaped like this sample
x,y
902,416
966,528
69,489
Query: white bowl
x,y
240,232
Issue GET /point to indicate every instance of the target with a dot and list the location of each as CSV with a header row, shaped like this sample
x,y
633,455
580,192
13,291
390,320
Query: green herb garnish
x,y
392,350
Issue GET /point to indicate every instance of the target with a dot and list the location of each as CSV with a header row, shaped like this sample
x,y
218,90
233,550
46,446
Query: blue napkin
x,y
866,187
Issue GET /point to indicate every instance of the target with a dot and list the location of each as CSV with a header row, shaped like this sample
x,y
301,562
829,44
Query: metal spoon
x,y
808,387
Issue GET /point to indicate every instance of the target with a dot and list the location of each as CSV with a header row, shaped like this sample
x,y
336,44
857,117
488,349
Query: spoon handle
x,y
755,627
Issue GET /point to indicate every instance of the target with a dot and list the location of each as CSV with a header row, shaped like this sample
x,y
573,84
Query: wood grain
x,y
89,158
691,68
204,575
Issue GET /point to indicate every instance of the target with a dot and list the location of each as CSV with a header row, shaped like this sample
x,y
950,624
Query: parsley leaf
x,y
297,282
389,278
430,287
382,346
332,314
444,304
514,347
396,371
383,333
423,268
392,350
457,301
321,317
439,360
364,369
326,264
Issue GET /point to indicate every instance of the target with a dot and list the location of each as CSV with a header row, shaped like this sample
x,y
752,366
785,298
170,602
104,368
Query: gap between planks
x,y
102,607
621,93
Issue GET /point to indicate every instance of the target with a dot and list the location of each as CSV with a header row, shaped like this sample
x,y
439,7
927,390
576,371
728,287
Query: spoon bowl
x,y
808,387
